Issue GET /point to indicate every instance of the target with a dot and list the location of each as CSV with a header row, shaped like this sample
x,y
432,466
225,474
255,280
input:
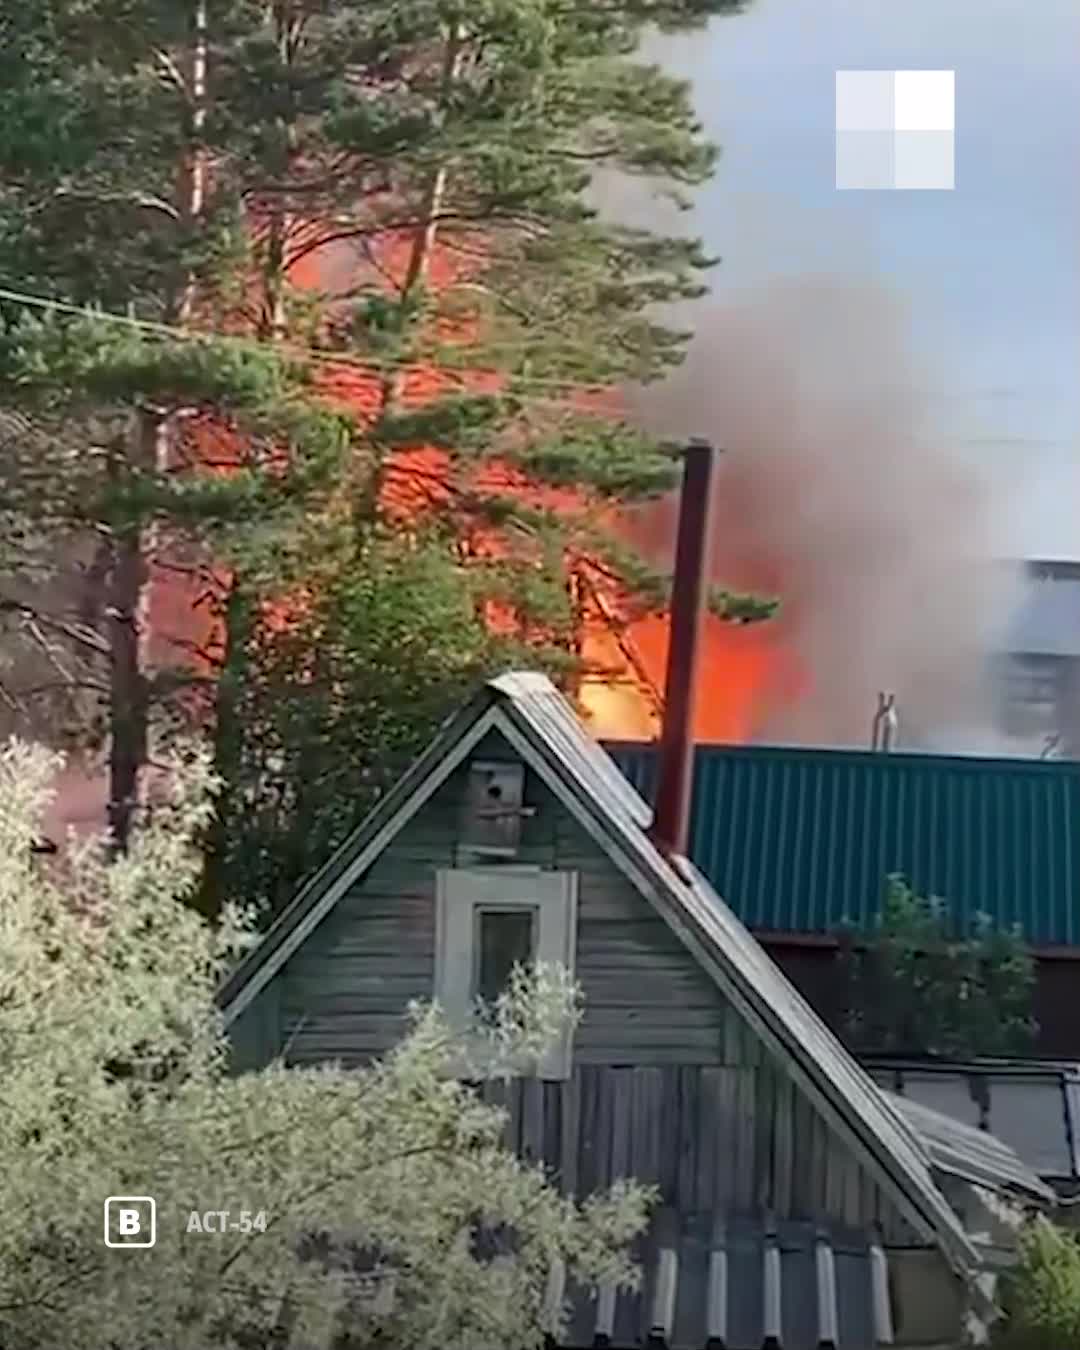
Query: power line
x,y
375,365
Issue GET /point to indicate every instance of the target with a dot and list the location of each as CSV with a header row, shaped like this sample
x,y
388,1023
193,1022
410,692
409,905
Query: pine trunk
x,y
416,270
134,543
236,623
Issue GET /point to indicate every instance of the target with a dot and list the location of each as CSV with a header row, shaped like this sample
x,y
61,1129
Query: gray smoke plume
x,y
837,493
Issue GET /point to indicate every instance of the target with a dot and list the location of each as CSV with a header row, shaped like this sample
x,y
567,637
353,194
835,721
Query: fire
x,y
744,671
745,675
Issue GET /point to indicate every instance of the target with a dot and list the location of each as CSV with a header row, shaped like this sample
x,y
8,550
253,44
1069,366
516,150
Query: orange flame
x,y
746,672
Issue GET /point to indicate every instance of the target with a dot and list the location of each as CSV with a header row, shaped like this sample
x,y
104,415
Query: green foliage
x,y
117,1081
329,132
1041,1294
383,644
916,987
461,424
616,459
105,361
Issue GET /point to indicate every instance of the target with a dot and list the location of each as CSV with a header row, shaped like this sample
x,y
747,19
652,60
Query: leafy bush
x,y
116,1081
915,987
1041,1296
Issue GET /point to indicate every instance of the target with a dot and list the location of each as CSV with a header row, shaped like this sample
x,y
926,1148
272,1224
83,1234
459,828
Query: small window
x,y
504,938
488,920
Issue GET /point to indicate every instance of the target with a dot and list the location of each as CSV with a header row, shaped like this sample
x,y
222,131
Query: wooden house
x,y
802,1205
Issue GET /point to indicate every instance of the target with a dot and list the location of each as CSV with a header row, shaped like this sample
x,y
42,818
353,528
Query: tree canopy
x,y
357,246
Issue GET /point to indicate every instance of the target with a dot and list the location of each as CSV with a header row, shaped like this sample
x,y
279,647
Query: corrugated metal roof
x,y
632,1319
801,839
1031,1106
970,1153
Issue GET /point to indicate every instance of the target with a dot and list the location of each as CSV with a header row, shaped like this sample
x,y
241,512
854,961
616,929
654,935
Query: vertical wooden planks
x,y
734,1140
570,1140
745,1132
553,1128
646,1106
783,1144
726,1150
669,1133
622,1122
802,1200
532,1120
819,1163
604,1106
852,1213
868,1201
688,1139
834,1178
842,1188
596,1104
588,1142
708,1140
514,1098
764,1115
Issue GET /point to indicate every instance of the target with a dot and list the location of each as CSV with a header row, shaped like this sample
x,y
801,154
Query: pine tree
x,y
184,165
409,137
108,200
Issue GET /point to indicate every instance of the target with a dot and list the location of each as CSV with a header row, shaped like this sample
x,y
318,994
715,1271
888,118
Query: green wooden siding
x,y
255,1036
800,840
646,999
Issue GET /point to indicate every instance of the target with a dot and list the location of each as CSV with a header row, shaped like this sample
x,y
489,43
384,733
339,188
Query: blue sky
x,y
989,273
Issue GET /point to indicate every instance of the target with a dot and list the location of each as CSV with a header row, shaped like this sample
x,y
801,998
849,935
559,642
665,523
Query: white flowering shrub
x,y
115,1081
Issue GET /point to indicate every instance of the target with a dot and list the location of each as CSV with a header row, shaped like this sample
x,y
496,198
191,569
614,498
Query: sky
x,y
988,274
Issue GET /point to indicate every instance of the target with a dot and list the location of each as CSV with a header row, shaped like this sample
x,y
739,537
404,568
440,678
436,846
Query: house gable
x,y
668,1084
751,995
343,993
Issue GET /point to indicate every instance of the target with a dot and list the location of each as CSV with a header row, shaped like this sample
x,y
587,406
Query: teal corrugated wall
x,y
800,840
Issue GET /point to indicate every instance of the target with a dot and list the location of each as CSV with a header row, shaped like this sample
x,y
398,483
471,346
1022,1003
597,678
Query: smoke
x,y
837,493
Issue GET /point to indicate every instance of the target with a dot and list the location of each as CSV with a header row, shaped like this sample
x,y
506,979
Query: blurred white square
x,y
895,129
924,160
865,160
865,100
925,100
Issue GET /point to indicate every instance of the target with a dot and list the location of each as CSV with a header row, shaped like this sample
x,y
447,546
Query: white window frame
x,y
460,893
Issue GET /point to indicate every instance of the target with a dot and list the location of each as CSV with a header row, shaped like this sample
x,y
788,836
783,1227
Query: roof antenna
x,y
886,723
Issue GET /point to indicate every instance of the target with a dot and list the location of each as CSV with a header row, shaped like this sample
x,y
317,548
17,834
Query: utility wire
x,y
376,365
381,364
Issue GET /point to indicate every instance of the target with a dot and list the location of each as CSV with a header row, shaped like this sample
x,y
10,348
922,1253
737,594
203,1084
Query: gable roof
x,y
544,729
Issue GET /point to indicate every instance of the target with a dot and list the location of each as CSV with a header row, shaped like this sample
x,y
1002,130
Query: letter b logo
x,y
130,1221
